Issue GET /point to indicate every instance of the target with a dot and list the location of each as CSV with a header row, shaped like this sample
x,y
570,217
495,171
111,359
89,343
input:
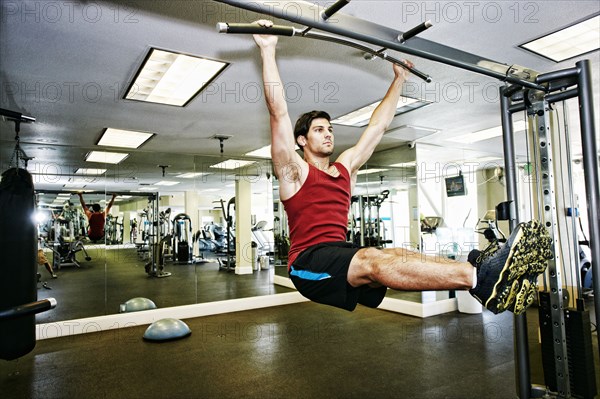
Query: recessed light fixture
x,y
71,185
173,78
232,164
264,152
191,175
123,138
166,183
361,116
486,133
369,171
90,171
574,40
408,164
105,157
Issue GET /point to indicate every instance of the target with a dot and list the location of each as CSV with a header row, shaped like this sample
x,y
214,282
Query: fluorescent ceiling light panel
x,y
409,164
90,171
361,117
172,78
486,134
572,41
369,171
148,188
123,138
191,175
232,164
369,183
73,184
264,152
106,157
166,183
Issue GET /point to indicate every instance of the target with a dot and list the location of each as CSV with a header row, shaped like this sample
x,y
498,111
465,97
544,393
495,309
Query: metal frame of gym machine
x,y
538,92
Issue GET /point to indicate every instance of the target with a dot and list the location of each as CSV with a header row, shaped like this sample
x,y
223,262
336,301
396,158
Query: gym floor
x,y
302,350
295,351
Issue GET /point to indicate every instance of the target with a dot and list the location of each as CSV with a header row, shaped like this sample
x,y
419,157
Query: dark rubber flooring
x,y
296,351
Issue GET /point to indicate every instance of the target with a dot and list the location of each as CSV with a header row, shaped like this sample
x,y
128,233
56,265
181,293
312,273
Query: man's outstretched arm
x,y
383,115
110,204
283,153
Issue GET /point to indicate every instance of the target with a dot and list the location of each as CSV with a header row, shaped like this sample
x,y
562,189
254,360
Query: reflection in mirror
x,y
233,209
168,236
384,205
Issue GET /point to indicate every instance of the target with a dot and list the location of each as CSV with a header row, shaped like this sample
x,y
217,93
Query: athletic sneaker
x,y
509,275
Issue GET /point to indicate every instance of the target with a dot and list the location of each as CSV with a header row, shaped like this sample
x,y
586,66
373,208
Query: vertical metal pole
x,y
590,168
522,368
361,205
547,179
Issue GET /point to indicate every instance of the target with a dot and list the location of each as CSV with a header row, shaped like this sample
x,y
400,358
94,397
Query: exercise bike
x,y
64,253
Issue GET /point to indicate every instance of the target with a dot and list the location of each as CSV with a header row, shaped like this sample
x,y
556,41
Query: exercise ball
x,y
136,305
166,330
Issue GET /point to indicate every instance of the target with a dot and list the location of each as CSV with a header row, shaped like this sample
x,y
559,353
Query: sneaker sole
x,y
528,255
526,295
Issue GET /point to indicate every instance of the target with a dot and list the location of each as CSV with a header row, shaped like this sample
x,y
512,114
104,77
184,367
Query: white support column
x,y
126,227
191,205
243,225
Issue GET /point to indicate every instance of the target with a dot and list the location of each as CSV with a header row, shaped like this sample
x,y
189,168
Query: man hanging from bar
x,y
96,218
316,195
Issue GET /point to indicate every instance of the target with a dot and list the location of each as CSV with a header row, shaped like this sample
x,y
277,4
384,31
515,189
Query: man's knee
x,y
364,264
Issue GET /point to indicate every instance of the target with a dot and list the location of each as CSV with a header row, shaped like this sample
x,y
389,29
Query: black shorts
x,y
320,273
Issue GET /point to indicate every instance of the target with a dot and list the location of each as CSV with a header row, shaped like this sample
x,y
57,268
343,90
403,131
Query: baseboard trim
x,y
134,319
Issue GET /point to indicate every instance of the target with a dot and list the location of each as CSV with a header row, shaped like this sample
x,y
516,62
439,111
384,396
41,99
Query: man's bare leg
x,y
402,269
506,280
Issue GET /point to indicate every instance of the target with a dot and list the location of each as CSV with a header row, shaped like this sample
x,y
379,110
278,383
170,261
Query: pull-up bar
x,y
96,192
374,34
282,30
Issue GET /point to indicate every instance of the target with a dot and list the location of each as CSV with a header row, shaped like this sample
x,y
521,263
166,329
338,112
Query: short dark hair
x,y
96,207
304,121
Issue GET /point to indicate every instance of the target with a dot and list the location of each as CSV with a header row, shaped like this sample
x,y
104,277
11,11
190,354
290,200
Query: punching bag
x,y
18,267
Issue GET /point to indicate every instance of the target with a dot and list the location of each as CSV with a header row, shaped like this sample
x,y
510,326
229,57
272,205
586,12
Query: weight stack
x,y
582,376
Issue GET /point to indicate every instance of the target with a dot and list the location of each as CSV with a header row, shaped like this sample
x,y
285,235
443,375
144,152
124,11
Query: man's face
x,y
319,138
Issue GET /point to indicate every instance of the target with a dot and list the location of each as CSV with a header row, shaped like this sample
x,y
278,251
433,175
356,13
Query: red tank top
x,y
96,223
318,212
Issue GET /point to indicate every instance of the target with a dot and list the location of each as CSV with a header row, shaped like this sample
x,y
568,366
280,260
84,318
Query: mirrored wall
x,y
169,236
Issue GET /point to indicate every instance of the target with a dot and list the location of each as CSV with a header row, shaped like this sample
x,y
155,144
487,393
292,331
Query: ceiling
x,y
68,64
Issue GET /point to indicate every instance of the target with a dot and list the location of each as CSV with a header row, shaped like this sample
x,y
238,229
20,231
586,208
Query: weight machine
x,y
158,239
366,227
526,90
182,239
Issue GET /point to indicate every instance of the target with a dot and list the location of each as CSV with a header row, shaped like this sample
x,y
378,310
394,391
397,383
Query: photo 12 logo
x,y
67,12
